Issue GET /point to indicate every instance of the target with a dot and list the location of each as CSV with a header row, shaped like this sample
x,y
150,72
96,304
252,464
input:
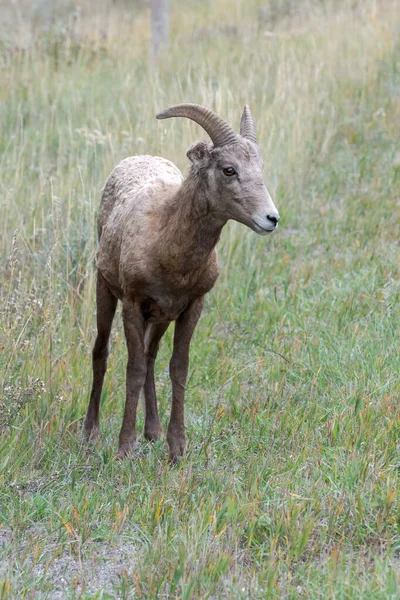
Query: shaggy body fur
x,y
153,241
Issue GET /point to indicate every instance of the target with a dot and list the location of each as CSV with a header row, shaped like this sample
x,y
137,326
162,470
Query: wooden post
x,y
159,25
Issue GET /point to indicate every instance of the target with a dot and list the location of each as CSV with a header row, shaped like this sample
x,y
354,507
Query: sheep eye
x,y
229,171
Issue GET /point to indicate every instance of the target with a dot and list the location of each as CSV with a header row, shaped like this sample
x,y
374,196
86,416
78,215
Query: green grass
x,y
290,485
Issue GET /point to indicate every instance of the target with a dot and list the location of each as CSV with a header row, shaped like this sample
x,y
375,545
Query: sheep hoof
x,y
153,433
126,450
90,432
177,447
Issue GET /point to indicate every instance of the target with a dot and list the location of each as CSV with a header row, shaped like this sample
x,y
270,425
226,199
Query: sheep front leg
x,y
134,327
178,368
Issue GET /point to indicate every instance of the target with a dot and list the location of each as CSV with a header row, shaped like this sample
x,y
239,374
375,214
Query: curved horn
x,y
247,125
219,131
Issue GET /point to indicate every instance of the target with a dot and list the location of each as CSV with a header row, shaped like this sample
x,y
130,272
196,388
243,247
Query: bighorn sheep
x,y
157,238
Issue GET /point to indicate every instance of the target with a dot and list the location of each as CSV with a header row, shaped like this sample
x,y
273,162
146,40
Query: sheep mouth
x,y
262,230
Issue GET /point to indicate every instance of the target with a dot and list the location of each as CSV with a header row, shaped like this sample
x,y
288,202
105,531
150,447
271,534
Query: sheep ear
x,y
199,153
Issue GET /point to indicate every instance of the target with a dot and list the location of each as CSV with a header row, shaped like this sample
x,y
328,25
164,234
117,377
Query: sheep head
x,y
230,169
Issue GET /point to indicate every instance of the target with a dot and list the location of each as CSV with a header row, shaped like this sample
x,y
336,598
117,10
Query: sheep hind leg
x,y
134,327
152,425
106,305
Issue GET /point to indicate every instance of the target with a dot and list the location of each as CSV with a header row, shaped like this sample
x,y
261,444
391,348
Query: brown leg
x,y
152,425
178,369
106,305
134,326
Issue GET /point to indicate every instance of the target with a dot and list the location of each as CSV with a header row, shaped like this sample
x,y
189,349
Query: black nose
x,y
274,219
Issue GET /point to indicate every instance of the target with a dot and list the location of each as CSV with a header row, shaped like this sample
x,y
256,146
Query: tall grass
x,y
290,486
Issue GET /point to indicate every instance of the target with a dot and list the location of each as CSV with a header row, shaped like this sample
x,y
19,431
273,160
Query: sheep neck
x,y
192,231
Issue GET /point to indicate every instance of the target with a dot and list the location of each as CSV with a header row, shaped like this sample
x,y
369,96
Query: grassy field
x,y
290,488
